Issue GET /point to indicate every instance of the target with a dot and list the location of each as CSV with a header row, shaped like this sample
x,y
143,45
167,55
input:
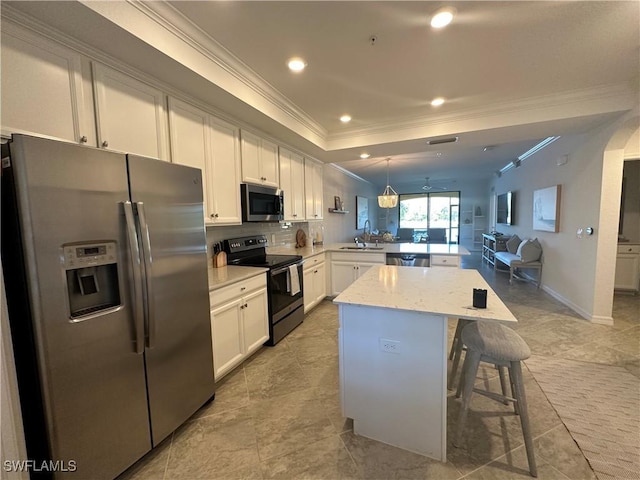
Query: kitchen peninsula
x,y
393,350
371,247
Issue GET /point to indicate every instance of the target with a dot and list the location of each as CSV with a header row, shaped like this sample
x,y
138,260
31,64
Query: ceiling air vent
x,y
440,141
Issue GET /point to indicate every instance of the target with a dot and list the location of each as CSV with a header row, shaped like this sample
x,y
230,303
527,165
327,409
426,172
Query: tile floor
x,y
278,415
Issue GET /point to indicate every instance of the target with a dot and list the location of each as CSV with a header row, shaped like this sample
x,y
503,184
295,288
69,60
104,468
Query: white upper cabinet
x,y
225,171
292,184
42,88
313,189
259,161
130,114
202,141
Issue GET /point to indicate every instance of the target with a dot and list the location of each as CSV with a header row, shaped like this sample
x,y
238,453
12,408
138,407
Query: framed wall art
x,y
362,211
546,209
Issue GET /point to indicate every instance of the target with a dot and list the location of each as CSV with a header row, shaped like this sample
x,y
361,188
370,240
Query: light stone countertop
x,y
405,248
306,252
437,290
223,276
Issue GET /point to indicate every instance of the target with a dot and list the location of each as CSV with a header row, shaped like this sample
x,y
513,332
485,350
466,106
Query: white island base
x,y
393,351
393,377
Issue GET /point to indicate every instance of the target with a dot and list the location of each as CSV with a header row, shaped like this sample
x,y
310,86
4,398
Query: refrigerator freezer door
x,y
178,356
93,380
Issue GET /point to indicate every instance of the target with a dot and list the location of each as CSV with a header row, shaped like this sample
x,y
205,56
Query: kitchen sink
x,y
361,248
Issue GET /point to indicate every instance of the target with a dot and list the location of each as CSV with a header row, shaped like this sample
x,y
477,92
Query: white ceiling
x,y
512,72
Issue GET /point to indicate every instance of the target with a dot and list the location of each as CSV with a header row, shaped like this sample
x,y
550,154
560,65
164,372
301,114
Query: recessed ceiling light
x,y
364,155
296,64
345,118
442,18
436,102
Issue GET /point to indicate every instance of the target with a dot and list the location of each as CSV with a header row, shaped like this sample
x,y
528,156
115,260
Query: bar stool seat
x,y
494,343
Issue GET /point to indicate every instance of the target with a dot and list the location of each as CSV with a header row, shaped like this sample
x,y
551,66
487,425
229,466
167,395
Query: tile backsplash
x,y
276,233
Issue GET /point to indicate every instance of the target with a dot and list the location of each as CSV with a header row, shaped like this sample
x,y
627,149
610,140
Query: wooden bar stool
x,y
494,343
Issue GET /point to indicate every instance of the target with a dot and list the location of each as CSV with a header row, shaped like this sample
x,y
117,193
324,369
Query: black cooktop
x,y
251,252
267,261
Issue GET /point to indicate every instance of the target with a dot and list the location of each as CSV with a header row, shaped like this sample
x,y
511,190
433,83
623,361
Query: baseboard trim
x,y
599,319
602,320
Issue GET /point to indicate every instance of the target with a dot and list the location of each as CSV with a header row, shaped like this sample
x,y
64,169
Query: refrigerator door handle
x,y
138,311
146,250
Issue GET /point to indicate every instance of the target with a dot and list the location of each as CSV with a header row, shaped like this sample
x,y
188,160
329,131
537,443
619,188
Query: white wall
x,y
342,227
590,197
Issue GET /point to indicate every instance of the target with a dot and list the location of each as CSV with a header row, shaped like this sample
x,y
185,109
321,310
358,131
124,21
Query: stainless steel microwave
x,y
261,204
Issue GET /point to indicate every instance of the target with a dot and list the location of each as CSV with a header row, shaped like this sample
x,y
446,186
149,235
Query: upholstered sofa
x,y
521,254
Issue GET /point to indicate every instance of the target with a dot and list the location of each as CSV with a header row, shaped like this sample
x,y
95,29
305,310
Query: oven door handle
x,y
284,269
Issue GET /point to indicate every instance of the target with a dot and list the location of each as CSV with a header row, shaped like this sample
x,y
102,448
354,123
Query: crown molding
x,y
582,102
197,39
348,173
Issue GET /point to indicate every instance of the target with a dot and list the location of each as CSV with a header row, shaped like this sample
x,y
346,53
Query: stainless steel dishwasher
x,y
408,259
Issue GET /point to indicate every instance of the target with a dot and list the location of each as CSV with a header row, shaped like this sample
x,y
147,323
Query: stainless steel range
x,y
285,291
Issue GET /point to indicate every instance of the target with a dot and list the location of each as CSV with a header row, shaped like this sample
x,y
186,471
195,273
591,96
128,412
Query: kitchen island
x,y
393,351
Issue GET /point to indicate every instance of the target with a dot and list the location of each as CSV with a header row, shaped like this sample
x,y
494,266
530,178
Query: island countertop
x,y
440,291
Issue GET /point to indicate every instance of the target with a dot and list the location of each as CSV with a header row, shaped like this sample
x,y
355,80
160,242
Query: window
x,y
435,216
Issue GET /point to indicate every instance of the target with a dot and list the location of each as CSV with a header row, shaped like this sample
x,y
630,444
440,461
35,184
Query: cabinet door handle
x,y
242,289
105,144
246,305
84,139
241,307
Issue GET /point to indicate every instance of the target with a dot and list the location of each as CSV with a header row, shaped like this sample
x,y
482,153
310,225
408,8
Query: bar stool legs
x,y
521,403
456,351
469,370
504,348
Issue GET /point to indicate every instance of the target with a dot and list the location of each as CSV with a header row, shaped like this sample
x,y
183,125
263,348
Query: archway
x,y
612,166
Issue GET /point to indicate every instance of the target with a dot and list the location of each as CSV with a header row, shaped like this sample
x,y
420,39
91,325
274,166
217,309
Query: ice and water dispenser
x,y
92,277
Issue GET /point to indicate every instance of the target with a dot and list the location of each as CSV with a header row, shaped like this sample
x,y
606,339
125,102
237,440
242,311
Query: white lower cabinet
x,y
239,322
346,268
627,267
314,281
444,261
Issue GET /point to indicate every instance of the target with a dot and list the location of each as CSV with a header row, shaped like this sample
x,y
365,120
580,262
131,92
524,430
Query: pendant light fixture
x,y
389,198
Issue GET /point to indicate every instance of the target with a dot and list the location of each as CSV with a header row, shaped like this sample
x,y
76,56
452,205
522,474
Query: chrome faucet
x,y
366,232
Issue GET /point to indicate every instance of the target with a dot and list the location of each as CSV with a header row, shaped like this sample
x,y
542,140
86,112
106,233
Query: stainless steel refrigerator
x,y
104,257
